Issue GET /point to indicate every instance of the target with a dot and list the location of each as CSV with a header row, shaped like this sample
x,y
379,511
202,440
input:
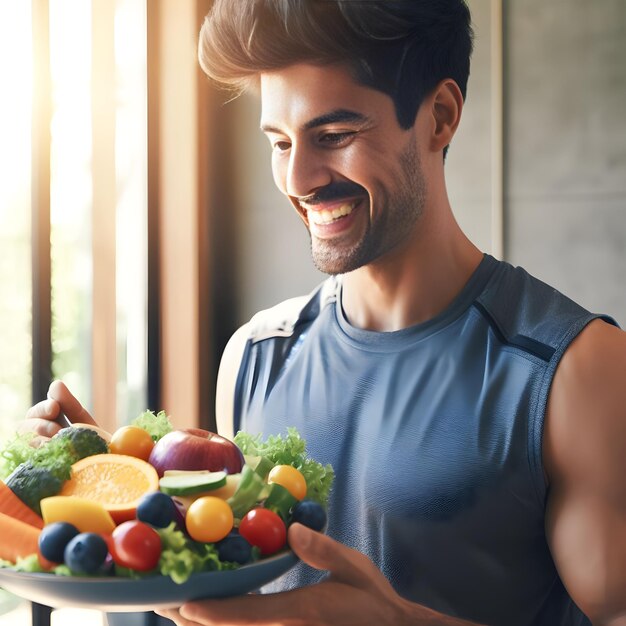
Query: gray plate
x,y
158,592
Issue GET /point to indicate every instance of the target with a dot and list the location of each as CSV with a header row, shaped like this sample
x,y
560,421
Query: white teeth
x,y
326,217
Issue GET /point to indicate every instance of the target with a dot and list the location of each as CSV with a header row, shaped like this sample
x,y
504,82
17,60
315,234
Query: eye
x,y
336,138
281,146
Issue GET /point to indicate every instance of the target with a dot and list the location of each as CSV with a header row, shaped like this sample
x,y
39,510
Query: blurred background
x,y
139,225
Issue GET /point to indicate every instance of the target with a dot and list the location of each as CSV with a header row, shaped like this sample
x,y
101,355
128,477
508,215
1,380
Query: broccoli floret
x,y
43,470
83,441
30,483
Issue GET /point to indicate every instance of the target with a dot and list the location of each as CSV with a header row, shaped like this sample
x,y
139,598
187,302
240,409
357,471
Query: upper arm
x,y
226,379
584,450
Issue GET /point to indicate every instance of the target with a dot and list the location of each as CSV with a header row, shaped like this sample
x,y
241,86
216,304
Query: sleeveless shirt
x,y
434,433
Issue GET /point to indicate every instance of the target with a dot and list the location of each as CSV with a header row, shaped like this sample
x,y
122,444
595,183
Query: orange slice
x,y
115,481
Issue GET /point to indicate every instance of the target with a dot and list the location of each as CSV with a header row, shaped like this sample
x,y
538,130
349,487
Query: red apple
x,y
195,449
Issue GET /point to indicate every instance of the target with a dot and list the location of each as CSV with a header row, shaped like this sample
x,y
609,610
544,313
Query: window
x,y
73,204
15,226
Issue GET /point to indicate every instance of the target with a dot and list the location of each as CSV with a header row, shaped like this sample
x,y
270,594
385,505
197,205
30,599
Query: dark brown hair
x,y
402,48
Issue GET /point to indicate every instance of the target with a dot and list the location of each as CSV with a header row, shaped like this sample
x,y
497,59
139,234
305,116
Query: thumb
x,y
322,552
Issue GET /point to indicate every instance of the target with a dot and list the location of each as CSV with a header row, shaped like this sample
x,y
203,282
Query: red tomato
x,y
264,529
136,546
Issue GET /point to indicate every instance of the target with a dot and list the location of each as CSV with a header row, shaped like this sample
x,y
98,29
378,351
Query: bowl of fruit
x,y
150,516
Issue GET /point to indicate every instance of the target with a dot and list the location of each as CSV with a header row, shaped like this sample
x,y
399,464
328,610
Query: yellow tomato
x,y
289,478
132,441
209,519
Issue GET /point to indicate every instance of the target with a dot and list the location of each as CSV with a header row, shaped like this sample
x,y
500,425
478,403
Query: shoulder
x,y
585,427
531,314
281,319
226,378
277,321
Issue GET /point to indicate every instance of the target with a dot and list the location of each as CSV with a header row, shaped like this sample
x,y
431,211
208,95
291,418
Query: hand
x,y
355,593
42,418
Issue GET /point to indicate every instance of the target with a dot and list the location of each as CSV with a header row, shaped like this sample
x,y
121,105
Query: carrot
x,y
11,505
17,539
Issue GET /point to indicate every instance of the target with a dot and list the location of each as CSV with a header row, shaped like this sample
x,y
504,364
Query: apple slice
x,y
183,483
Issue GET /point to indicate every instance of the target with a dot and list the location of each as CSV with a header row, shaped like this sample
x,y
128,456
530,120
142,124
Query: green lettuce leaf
x,y
291,450
182,557
158,425
56,455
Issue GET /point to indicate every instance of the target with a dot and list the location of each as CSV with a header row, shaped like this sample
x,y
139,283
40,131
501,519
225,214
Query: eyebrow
x,y
332,117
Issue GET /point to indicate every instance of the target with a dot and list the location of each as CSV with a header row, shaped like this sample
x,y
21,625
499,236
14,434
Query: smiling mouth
x,y
325,217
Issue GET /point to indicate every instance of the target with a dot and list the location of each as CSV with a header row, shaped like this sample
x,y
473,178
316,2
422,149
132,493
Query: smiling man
x,y
474,416
350,171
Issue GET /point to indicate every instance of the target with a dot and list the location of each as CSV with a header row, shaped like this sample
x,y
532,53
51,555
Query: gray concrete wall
x,y
469,160
566,145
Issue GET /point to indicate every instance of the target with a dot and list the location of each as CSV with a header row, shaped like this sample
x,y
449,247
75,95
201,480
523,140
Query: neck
x,y
414,282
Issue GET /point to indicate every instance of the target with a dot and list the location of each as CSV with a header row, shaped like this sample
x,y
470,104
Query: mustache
x,y
334,191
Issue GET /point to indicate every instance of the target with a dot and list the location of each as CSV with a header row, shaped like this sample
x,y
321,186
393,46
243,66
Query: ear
x,y
446,105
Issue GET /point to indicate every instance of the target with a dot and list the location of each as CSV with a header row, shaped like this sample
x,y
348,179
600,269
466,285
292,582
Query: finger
x,y
175,616
43,428
70,406
40,419
38,441
321,552
259,609
45,410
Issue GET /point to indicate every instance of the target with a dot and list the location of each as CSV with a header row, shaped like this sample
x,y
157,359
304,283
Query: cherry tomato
x,y
264,529
136,546
132,441
209,519
289,478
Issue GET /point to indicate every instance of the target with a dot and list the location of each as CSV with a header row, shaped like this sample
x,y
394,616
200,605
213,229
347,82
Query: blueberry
x,y
86,553
53,539
309,513
234,549
156,509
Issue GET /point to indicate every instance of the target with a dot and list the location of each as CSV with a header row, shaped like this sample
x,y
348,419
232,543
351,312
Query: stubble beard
x,y
401,210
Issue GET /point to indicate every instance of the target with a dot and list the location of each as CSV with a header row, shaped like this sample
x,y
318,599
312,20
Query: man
x,y
475,417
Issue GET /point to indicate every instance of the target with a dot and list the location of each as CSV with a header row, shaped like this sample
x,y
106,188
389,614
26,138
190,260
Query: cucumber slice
x,y
260,464
280,501
248,492
187,483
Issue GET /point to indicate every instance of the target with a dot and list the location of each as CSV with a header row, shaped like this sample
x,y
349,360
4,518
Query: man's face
x,y
339,155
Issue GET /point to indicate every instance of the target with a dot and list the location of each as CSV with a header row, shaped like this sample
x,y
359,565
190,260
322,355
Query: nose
x,y
302,172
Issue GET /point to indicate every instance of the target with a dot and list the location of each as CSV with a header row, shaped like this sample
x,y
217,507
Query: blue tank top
x,y
434,432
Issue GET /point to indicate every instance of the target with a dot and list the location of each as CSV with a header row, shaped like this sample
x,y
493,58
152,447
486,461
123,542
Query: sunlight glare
x,y
15,115
70,68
